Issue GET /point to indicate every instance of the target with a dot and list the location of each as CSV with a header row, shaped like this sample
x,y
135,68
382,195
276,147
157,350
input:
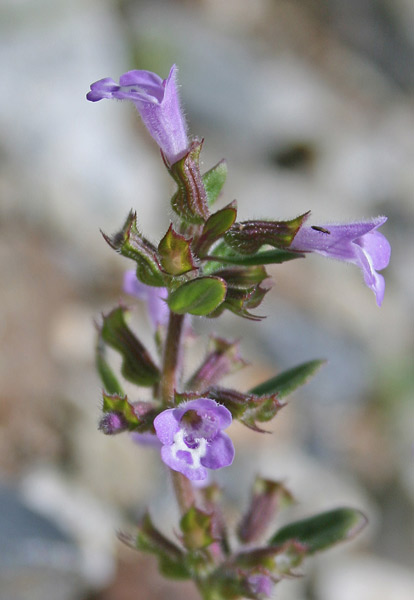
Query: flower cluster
x,y
205,263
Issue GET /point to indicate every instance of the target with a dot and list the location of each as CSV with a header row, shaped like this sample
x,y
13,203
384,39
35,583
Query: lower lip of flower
x,y
191,454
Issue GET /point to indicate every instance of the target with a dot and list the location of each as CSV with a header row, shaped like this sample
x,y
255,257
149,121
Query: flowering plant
x,y
205,263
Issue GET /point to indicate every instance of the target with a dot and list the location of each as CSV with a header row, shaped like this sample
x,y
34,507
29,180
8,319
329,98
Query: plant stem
x,y
171,355
182,486
184,491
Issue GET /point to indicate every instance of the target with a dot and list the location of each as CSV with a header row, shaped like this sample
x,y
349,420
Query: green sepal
x,y
130,243
137,365
240,301
214,180
287,381
216,225
171,559
108,377
248,237
190,200
198,297
175,254
137,416
120,405
197,529
322,531
247,408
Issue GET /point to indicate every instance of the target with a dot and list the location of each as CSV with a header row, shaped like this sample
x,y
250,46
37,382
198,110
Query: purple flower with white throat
x,y
155,298
192,437
359,243
157,102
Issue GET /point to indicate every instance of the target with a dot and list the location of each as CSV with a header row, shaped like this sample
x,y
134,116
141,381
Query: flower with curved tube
x,y
157,102
359,243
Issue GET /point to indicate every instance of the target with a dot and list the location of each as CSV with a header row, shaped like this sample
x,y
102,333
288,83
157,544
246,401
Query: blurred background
x,y
311,103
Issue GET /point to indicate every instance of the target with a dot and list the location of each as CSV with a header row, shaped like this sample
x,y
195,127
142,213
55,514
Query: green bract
x,y
130,243
175,253
198,297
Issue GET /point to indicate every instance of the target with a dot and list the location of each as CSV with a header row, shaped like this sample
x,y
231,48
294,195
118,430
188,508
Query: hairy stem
x,y
182,486
172,351
184,491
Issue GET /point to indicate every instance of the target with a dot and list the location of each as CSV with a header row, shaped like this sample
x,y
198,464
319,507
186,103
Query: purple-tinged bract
x,y
192,437
359,243
157,102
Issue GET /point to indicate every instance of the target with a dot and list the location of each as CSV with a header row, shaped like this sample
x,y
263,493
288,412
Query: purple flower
x,y
158,104
154,297
260,585
147,439
192,437
357,243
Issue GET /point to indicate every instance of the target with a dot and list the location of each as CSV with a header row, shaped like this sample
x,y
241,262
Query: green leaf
x,y
214,181
267,257
198,296
322,531
137,365
286,382
108,377
130,243
175,253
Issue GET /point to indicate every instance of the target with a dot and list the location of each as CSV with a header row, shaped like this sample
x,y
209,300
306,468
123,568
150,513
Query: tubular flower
x,y
358,243
192,437
157,102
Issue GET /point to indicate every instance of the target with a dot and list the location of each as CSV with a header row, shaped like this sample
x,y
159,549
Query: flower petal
x,y
376,245
146,439
372,279
358,243
150,84
183,464
104,88
166,426
202,405
157,102
220,452
154,297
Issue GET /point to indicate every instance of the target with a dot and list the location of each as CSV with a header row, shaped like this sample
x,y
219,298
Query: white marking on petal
x,y
196,453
